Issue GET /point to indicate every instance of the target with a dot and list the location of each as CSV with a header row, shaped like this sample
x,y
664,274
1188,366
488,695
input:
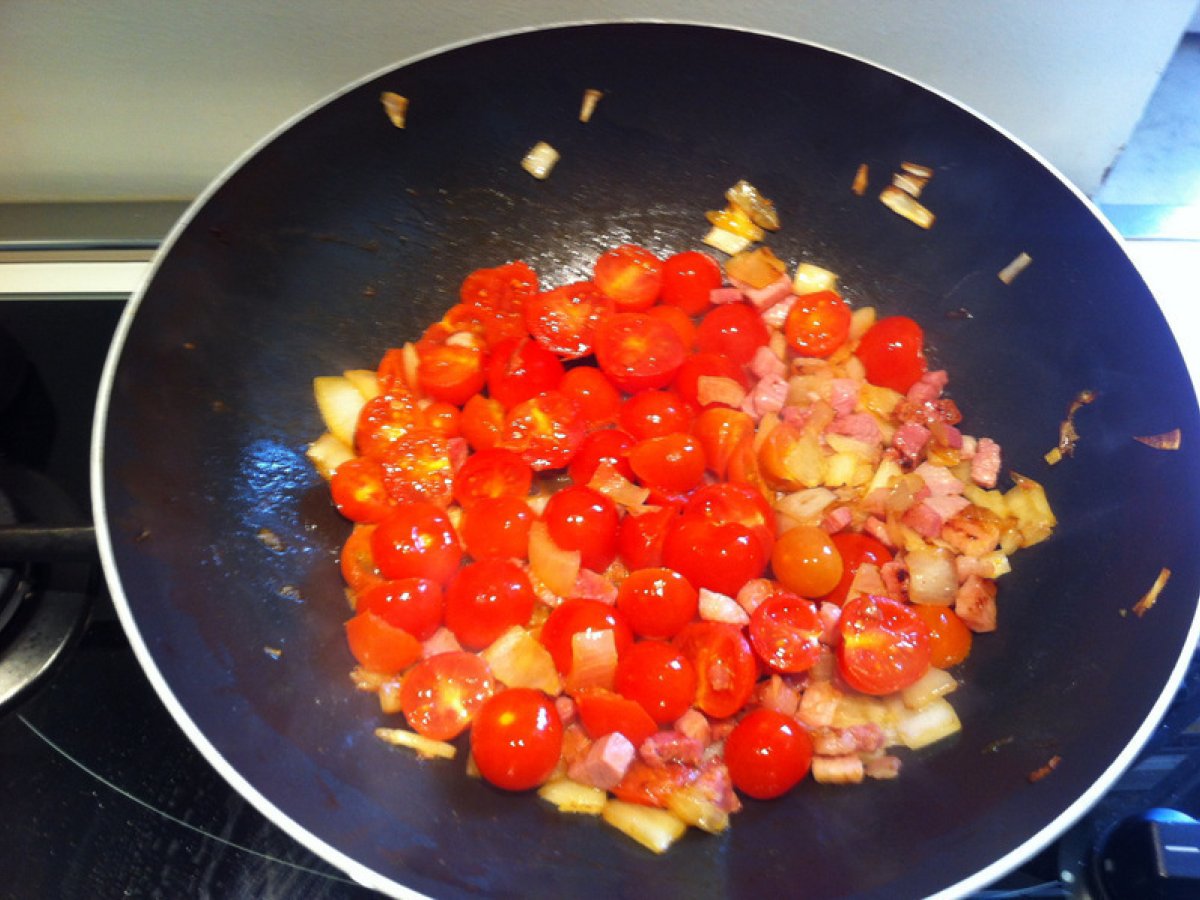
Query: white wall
x,y
139,99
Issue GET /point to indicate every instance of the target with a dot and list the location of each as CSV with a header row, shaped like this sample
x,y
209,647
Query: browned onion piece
x,y
903,204
590,98
861,176
395,106
1067,435
1168,440
760,210
1144,605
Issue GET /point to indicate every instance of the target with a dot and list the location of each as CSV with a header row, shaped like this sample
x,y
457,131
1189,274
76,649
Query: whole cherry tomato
x,y
485,599
357,559
893,353
520,369
718,556
721,431
884,645
417,541
611,445
735,330
712,365
641,536
654,413
481,422
659,678
414,604
516,739
817,324
583,519
598,400
767,754
725,502
688,279
657,602
496,526
673,463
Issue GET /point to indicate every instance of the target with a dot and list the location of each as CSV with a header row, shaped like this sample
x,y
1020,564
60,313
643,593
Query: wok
x,y
342,235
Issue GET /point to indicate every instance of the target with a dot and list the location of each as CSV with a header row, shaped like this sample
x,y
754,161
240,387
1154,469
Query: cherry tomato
x,y
357,560
855,549
417,541
630,275
486,598
688,279
499,295
722,503
638,352
392,373
673,463
657,677
519,369
641,536
573,616
546,431
603,712
785,631
358,491
599,401
654,413
817,324
893,353
442,417
496,526
724,664
653,785
414,604
657,602
610,445
579,518
564,320
384,419
441,694
884,645
720,430
451,372
379,646
949,637
677,319
806,561
767,754
735,330
492,473
418,466
718,556
482,422
516,739
714,365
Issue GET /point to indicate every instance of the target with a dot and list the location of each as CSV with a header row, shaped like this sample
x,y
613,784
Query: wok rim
x,y
364,875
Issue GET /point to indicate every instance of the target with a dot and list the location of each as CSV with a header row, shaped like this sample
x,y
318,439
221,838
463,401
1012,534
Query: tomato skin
x,y
855,549
817,324
631,276
718,556
598,399
640,539
546,430
441,694
358,491
651,414
767,754
724,664
417,541
673,463
657,677
949,638
610,445
379,646
893,353
516,739
583,519
657,602
603,712
883,645
785,631
520,369
496,527
481,422
638,352
715,365
485,599
735,330
414,604
573,616
806,561
491,473
688,279
564,320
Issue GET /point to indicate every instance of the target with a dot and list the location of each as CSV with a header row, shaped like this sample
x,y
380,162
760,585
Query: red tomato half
x,y
638,352
516,739
659,678
641,537
785,631
520,369
496,526
893,353
491,473
688,279
380,647
441,694
630,275
357,559
721,431
485,599
673,463
546,431
949,637
654,413
603,712
817,324
564,320
418,466
414,604
657,602
384,419
884,645
358,491
767,754
724,664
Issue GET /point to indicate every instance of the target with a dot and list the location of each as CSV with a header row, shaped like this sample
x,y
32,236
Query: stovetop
x,y
103,795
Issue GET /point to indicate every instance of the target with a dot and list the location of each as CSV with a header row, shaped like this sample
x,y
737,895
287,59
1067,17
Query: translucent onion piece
x,y
396,107
1014,268
593,660
590,98
540,160
809,279
655,829
572,797
933,684
554,567
761,211
904,205
426,748
518,659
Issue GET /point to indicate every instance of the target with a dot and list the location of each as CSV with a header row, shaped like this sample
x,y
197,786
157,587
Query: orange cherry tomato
x,y
414,604
806,561
688,280
767,754
735,330
495,472
574,616
516,739
949,637
441,694
603,712
893,353
358,492
598,400
579,518
883,645
673,463
486,598
659,678
379,646
638,352
817,324
496,526
785,631
416,541
657,602
724,664
546,431
564,320
855,549
630,275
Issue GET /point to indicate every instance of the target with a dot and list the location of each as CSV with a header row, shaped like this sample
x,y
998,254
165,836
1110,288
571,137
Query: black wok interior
x,y
343,236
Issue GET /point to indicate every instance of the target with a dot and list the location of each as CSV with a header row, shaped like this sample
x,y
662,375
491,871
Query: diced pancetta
x,y
843,395
765,362
776,315
605,763
858,425
715,607
754,592
910,439
776,694
665,747
846,769
715,785
975,603
837,519
765,297
768,395
883,767
565,707
723,295
985,464
818,704
939,479
829,615
928,387
694,724
877,529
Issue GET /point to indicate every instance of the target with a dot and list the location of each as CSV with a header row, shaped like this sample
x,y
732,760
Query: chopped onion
x,y
910,184
933,684
609,481
904,205
1168,440
734,218
655,829
518,659
540,160
726,241
757,268
396,107
916,169
932,722
805,506
572,797
1014,268
932,579
693,807
554,567
590,98
719,389
1144,605
809,279
861,177
326,453
339,402
426,748
761,211
593,660
716,607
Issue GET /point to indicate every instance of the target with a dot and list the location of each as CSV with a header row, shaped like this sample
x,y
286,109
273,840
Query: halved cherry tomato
x,y
392,373
688,279
718,556
785,631
724,664
893,353
379,646
451,372
949,637
516,739
658,602
573,616
579,518
677,319
496,526
641,536
358,492
650,414
482,422
441,694
659,678
884,645
519,369
714,365
383,420
630,275
673,463
855,548
767,754
546,431
414,604
720,431
442,417
357,560
416,541
564,320
817,324
492,473
806,561
498,295
735,330
418,466
610,445
725,502
603,712
486,598
638,352
599,401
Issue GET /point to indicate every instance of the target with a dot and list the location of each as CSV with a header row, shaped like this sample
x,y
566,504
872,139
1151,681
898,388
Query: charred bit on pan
x,y
1067,435
270,540
1051,764
1148,600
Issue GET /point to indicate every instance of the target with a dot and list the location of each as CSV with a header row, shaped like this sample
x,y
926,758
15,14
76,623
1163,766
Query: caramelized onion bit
x,y
861,176
1015,268
395,106
590,98
904,205
1168,440
761,211
1067,435
910,184
1144,605
916,169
